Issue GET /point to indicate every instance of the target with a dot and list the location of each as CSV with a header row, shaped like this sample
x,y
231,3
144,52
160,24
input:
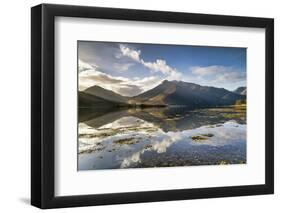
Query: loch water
x,y
160,137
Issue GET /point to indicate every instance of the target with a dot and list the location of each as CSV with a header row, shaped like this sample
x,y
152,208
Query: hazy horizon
x,y
130,69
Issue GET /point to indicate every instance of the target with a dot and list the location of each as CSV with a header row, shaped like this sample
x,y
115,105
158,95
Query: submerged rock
x,y
127,141
202,137
208,135
148,146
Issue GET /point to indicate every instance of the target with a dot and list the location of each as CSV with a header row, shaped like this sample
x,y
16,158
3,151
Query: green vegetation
x,y
241,102
223,162
241,107
233,115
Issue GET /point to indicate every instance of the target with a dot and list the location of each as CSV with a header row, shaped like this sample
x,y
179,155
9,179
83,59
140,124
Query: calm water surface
x,y
161,137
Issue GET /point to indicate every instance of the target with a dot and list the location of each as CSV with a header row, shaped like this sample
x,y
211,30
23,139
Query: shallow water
x,y
161,137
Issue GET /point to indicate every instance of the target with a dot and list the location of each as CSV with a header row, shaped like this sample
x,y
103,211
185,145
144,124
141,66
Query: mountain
x,y
241,90
106,94
166,93
188,94
87,100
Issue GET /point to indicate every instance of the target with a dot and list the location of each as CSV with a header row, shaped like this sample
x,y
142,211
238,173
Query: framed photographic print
x,y
140,106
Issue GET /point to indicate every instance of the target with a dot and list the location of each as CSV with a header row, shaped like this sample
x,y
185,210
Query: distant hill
x,y
188,94
241,90
166,93
87,100
106,94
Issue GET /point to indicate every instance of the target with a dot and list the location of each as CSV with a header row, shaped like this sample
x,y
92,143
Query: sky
x,y
132,68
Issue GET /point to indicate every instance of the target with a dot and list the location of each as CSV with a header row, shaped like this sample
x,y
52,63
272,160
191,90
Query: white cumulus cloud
x,y
124,86
133,54
159,65
82,66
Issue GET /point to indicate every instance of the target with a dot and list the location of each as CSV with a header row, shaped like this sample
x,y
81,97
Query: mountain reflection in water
x,y
161,137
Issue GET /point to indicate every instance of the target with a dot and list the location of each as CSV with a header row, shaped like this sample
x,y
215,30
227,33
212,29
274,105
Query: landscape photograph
x,y
160,105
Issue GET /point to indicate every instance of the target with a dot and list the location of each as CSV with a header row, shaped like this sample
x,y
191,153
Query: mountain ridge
x,y
188,94
241,90
106,94
172,93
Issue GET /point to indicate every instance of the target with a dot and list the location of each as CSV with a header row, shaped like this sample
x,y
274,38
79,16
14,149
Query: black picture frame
x,y
43,110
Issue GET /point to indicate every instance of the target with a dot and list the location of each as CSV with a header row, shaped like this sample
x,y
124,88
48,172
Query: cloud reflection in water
x,y
132,142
